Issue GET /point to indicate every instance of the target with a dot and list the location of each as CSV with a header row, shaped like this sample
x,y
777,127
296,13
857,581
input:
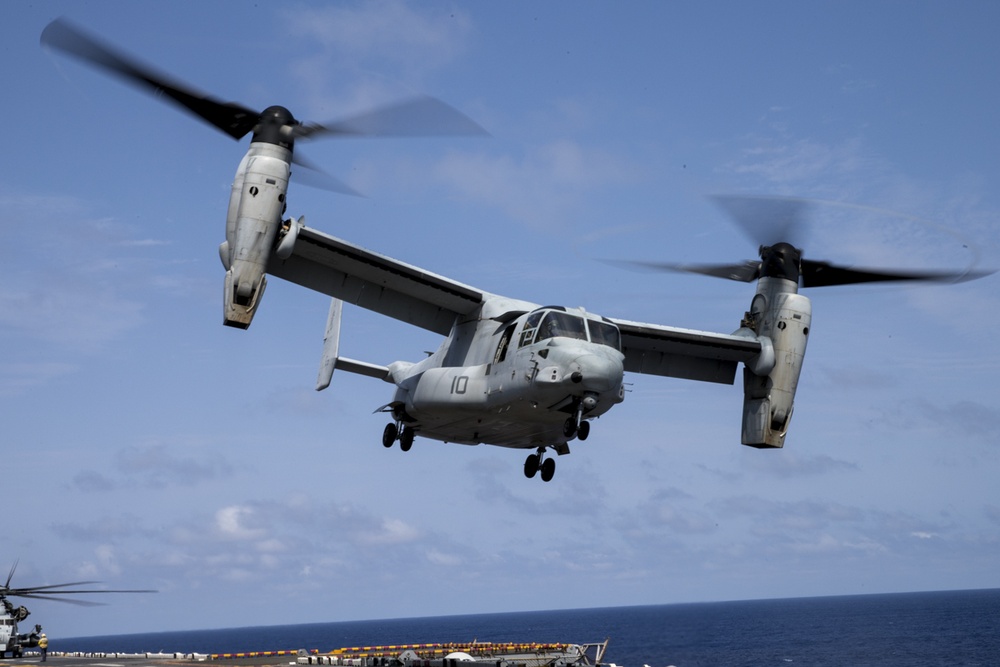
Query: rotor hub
x,y
275,127
781,260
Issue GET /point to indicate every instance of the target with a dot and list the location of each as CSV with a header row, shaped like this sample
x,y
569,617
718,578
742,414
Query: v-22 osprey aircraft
x,y
509,372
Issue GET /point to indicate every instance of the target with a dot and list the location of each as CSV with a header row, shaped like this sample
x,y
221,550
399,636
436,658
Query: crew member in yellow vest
x,y
43,645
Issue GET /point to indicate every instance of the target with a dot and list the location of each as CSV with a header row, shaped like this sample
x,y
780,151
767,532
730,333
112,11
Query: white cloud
x,y
231,523
548,187
391,531
366,40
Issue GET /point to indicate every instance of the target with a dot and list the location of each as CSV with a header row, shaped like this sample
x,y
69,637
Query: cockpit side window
x,y
605,334
562,324
501,352
530,325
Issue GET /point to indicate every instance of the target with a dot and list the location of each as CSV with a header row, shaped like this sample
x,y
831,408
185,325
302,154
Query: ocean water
x,y
907,629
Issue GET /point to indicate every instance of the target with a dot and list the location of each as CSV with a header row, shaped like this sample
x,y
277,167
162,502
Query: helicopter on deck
x,y
14,642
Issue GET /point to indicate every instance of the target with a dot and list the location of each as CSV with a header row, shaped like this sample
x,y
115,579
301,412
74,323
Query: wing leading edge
x,y
364,278
685,353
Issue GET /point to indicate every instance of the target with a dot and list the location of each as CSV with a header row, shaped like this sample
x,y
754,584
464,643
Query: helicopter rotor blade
x,y
316,177
746,272
229,117
32,589
78,603
421,116
824,274
767,220
777,225
10,575
48,590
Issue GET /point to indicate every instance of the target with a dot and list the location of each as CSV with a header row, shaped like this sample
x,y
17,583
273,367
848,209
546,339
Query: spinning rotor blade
x,y
767,220
316,177
35,589
774,223
824,274
55,591
419,117
814,273
233,119
746,272
10,575
78,603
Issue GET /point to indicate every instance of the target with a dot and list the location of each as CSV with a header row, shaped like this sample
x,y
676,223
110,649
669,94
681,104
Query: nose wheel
x,y
575,425
579,429
536,462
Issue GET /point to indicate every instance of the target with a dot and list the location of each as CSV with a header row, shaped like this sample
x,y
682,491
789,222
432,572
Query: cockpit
x,y
555,321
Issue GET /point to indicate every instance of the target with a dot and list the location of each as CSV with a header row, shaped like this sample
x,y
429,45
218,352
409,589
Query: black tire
x,y
548,469
406,438
583,431
569,428
531,466
389,435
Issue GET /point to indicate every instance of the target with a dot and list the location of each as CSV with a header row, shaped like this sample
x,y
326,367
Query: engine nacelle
x,y
256,206
783,316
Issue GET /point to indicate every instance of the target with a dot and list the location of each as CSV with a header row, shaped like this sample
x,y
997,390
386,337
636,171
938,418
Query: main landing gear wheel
x,y
406,438
531,465
393,433
548,469
389,435
535,462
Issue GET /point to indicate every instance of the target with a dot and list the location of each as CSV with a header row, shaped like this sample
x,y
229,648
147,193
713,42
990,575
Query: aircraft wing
x,y
350,273
684,353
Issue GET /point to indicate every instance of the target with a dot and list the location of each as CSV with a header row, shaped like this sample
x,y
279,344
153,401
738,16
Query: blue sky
x,y
145,445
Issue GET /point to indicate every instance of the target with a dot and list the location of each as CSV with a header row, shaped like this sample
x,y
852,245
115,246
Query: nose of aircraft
x,y
597,372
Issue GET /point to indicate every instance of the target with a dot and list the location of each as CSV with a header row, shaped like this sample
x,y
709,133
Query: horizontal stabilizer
x,y
364,368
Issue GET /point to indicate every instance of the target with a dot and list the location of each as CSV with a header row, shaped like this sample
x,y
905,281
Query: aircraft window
x,y
530,324
605,334
562,324
504,344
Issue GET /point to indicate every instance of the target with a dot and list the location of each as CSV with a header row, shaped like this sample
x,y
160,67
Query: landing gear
x,y
406,438
575,425
580,429
548,469
536,462
531,465
393,433
389,435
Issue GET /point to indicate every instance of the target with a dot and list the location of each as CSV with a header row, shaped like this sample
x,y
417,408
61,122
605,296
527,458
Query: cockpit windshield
x,y
561,324
604,333
544,324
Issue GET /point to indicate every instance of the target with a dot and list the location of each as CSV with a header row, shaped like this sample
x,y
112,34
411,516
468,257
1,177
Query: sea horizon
x,y
555,610
955,627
